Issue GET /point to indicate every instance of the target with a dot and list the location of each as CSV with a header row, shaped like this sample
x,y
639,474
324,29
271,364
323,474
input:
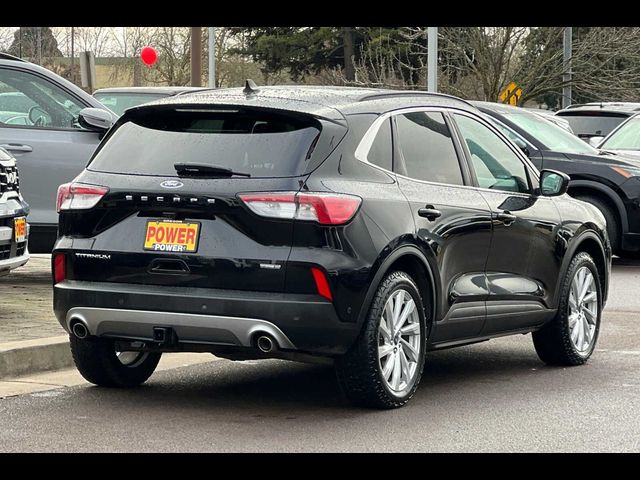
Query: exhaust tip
x,y
265,344
79,329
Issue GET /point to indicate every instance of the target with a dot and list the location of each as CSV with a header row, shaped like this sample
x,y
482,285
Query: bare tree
x,y
6,37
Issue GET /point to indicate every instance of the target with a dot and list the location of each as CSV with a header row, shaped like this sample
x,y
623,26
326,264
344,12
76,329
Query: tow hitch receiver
x,y
164,336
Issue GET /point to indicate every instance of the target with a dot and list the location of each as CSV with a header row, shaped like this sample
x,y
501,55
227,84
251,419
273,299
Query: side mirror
x,y
595,141
553,183
96,119
522,146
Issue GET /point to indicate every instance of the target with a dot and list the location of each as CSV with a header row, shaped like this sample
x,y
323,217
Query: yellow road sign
x,y
511,94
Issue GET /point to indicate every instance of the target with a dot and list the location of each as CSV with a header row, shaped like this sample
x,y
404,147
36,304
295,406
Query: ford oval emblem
x,y
172,184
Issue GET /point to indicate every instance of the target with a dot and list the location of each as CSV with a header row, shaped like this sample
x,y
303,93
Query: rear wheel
x,y
570,338
100,363
613,225
383,368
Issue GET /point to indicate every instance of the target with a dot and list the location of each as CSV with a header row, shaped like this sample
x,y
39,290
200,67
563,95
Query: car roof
x,y
501,107
328,102
150,90
624,108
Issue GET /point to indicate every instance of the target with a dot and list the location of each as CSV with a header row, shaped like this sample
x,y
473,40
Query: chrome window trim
x,y
362,150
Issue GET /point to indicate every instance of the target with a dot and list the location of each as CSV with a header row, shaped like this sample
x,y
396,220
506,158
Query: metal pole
x,y
567,45
212,57
39,37
432,59
196,56
20,44
73,56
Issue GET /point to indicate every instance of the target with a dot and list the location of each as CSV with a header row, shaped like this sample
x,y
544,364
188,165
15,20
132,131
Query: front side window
x,y
29,100
497,167
427,148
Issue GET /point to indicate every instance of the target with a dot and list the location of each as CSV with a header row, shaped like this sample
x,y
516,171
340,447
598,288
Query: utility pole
x,y
212,57
196,56
432,59
20,44
73,56
39,39
567,46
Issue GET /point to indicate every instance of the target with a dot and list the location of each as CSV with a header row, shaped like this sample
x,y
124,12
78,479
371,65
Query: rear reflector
x,y
324,208
321,283
77,196
59,268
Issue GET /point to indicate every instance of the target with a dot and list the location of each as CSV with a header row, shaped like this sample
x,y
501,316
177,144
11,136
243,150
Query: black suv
x,y
14,230
608,180
360,225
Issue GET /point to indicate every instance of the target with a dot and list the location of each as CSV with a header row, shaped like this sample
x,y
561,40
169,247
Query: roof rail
x,y
6,56
376,96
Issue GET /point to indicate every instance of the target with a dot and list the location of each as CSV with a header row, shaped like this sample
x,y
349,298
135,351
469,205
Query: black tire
x,y
97,362
613,224
553,342
359,372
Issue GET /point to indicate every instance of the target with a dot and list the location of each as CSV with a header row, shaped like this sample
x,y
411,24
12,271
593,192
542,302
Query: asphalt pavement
x,y
494,396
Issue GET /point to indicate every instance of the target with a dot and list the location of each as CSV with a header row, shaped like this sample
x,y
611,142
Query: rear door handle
x,y
505,217
14,147
429,212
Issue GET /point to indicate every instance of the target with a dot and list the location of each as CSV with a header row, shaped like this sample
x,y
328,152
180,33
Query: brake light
x,y
324,208
59,268
322,285
77,196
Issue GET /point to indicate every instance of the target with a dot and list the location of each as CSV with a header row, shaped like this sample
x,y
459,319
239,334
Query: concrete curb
x,y
31,356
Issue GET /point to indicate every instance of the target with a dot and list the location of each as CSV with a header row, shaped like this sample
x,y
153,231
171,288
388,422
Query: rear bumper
x,y
304,323
7,265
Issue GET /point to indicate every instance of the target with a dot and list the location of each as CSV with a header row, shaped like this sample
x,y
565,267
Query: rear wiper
x,y
206,170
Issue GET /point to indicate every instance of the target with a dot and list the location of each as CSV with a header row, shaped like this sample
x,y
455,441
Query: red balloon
x,y
149,55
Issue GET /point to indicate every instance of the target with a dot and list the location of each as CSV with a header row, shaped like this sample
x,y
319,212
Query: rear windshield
x,y
257,143
593,125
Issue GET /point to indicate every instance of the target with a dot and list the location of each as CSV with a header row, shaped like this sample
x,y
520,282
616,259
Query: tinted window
x,y
260,144
496,165
119,102
427,148
593,125
381,152
29,100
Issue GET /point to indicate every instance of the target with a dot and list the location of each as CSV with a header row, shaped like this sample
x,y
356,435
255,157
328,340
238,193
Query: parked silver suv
x,y
14,230
40,125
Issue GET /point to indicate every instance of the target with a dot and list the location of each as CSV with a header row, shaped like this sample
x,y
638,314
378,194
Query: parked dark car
x,y
608,181
357,225
41,126
118,99
598,119
14,229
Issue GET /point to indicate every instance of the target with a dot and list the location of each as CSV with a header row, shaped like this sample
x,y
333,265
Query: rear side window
x,y
381,152
259,143
427,148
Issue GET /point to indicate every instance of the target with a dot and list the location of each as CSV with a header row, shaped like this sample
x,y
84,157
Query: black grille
x,y
20,249
5,251
9,179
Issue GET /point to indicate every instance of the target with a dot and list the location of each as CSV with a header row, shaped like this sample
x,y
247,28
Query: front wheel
x,y
383,368
570,338
100,363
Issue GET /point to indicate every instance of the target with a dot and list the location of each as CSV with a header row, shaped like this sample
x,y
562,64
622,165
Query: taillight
x,y
324,208
59,268
77,196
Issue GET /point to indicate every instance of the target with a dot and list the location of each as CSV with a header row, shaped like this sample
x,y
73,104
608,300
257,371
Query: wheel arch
x,y
576,187
590,243
410,259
